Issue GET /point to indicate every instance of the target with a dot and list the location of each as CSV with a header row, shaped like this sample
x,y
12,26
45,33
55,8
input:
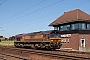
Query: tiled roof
x,y
71,16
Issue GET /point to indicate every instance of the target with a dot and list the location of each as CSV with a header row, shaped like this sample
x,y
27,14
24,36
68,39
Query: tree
x,y
11,38
1,36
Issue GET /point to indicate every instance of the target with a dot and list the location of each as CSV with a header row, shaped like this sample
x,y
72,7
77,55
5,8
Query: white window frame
x,y
82,45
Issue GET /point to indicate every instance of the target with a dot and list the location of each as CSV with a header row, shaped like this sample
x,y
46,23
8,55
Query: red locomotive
x,y
43,39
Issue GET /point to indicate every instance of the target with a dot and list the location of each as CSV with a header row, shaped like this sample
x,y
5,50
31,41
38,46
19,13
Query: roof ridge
x,y
77,13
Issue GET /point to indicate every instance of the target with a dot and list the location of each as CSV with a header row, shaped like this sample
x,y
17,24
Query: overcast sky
x,y
25,16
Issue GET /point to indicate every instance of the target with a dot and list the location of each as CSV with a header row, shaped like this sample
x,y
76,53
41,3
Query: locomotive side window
x,y
47,36
18,39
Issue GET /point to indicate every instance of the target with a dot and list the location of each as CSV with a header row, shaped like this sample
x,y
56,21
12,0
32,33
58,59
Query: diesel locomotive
x,y
42,39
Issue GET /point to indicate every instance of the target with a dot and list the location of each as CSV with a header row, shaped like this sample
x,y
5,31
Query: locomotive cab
x,y
55,40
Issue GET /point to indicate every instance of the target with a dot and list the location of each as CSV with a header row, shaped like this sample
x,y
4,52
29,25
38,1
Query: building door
x,y
82,42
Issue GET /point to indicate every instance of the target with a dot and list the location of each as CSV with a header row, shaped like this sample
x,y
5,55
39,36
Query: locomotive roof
x,y
33,33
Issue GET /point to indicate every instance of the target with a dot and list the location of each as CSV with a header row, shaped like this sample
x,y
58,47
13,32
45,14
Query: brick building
x,y
75,29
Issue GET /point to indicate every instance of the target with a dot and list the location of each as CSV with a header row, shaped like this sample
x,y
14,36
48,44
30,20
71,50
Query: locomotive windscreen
x,y
56,35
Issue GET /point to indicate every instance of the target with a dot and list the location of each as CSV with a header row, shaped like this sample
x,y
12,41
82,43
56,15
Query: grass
x,y
7,43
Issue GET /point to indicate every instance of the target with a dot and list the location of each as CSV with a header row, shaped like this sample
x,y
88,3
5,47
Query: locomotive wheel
x,y
21,45
42,45
36,46
53,49
16,46
32,46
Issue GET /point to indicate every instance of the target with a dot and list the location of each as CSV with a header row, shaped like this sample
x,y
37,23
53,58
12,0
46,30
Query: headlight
x,y
51,40
59,40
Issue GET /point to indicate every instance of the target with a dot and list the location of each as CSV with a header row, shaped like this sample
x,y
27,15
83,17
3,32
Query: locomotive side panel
x,y
26,38
37,38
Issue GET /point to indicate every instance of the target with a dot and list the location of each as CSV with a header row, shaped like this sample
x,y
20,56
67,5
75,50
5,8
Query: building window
x,y
74,26
88,26
56,28
61,28
82,26
68,27
82,42
65,27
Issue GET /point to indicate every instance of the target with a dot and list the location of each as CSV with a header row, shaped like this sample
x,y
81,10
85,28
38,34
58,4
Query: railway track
x,y
63,55
4,56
